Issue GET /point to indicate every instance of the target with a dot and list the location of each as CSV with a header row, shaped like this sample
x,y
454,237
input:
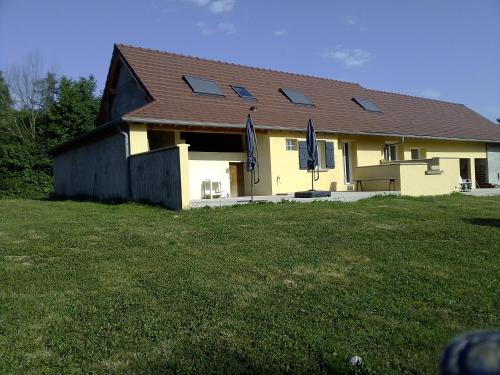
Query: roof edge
x,y
118,45
84,136
134,119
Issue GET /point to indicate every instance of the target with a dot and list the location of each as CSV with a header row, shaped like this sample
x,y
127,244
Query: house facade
x,y
171,129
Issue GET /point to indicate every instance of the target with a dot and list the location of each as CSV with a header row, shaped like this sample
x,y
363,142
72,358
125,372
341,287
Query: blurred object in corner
x,y
473,353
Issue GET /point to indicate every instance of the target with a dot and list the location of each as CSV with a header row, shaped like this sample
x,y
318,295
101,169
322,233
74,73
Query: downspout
x,y
127,157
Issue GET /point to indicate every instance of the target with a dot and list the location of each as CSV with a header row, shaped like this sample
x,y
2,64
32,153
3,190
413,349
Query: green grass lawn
x,y
94,288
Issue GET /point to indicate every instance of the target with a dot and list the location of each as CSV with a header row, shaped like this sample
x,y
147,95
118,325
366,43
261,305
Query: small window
x,y
391,152
291,144
242,92
296,97
366,104
415,154
203,86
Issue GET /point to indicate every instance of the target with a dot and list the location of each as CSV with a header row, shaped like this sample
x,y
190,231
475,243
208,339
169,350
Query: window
x,y
366,104
203,86
415,154
346,153
291,144
296,97
243,92
321,155
391,152
326,155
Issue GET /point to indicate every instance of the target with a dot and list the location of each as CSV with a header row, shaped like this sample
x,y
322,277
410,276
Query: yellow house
x,y
171,130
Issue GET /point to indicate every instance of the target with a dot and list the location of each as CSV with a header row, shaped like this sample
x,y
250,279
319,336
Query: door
x,y
346,153
236,179
465,169
481,168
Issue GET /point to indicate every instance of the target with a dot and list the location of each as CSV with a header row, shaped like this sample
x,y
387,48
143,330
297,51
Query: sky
x,y
440,49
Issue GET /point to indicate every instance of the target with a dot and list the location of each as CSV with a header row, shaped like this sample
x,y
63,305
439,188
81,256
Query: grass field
x,y
87,287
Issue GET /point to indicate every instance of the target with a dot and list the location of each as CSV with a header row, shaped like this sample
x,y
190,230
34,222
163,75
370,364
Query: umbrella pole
x,y
312,180
251,185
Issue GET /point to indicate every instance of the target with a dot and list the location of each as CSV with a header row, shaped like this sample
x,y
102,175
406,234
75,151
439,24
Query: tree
x,y
27,87
73,110
5,104
66,109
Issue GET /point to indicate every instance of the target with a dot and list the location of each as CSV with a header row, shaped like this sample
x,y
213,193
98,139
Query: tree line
x,y
39,110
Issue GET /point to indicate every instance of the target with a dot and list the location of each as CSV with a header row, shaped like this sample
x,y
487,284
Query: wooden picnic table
x,y
392,182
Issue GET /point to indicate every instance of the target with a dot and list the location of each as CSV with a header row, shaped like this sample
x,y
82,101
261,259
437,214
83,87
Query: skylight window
x,y
242,92
296,97
366,104
203,86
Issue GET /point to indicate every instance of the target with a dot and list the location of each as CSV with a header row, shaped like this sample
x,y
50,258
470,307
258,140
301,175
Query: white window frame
x,y
387,156
293,142
419,153
344,164
321,155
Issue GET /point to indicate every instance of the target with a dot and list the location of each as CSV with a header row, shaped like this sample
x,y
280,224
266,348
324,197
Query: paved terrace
x,y
348,196
483,192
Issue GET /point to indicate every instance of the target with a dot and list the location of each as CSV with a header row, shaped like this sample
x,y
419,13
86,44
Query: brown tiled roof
x,y
173,100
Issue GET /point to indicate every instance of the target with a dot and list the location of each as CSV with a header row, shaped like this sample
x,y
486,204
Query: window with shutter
x,y
303,155
329,155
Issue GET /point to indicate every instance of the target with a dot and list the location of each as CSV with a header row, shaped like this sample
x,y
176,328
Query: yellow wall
x,y
287,177
213,166
415,182
386,171
280,172
264,187
369,150
138,138
185,177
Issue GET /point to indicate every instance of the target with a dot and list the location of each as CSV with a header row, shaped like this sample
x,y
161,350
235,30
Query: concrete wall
x,y
157,177
96,170
213,166
493,154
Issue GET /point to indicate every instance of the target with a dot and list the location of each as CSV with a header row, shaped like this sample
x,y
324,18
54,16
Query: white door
x,y
346,155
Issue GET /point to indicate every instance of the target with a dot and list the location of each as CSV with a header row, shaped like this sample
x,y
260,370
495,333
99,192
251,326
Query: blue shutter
x,y
303,155
329,154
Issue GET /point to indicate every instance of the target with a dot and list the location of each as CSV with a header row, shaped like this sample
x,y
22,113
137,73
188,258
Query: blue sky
x,y
446,49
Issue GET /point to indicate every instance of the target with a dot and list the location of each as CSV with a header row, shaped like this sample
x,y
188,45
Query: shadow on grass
x,y
486,222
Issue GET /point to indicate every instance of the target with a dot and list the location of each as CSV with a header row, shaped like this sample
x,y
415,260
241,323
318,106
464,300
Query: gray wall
x,y
97,170
156,177
493,154
129,95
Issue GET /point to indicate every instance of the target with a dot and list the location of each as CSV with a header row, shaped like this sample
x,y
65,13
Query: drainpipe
x,y
127,157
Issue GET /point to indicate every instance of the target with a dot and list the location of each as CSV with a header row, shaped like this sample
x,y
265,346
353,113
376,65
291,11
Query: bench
x,y
392,182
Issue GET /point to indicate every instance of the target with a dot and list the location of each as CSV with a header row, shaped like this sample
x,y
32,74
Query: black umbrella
x,y
312,150
252,154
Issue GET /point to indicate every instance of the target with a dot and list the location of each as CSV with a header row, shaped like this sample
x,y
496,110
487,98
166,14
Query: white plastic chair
x,y
465,183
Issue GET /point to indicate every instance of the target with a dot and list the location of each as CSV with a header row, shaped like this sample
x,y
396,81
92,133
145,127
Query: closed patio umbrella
x,y
312,150
252,154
